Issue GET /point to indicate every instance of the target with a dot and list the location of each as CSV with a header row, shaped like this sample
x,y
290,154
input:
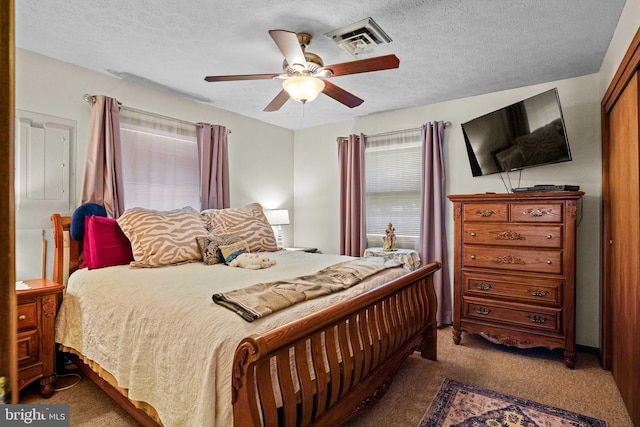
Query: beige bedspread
x,y
158,332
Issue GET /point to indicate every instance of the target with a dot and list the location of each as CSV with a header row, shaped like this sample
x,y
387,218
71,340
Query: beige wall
x,y
628,25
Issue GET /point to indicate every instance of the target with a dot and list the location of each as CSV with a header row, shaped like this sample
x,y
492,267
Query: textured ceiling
x,y
447,49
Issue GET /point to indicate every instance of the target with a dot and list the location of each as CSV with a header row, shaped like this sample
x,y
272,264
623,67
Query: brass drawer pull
x,y
537,319
549,236
509,259
536,212
549,261
538,292
482,310
483,286
22,317
473,257
473,234
485,212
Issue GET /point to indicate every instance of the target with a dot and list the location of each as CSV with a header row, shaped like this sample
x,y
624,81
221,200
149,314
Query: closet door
x,y
621,232
622,218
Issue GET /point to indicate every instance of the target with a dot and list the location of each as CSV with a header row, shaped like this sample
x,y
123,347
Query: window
x,y
393,170
160,161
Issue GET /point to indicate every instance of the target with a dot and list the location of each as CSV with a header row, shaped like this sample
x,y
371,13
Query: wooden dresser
x,y
514,268
37,308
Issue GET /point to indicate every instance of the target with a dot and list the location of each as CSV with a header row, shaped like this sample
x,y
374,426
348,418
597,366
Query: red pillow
x,y
107,243
86,247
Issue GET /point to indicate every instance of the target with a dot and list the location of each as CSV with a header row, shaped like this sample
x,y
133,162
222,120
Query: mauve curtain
x,y
353,237
433,238
213,158
103,170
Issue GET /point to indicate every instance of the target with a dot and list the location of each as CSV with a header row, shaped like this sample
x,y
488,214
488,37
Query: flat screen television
x,y
522,135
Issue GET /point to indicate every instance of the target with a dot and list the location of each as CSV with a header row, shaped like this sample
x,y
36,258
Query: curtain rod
x,y
92,98
446,125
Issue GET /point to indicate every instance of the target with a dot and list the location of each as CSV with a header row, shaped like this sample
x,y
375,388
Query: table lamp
x,y
278,218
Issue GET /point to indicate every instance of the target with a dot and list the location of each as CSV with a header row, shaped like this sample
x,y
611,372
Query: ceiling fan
x,y
304,73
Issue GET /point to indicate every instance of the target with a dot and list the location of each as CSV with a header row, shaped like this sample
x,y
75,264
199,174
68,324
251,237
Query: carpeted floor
x,y
536,374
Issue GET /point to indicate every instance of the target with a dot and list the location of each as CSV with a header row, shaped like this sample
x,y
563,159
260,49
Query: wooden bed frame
x,y
345,355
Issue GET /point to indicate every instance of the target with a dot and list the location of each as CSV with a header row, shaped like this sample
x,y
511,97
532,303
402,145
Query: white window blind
x,y
393,170
160,162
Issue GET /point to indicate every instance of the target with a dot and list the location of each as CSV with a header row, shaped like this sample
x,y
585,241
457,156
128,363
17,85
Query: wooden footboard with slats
x,y
323,368
331,365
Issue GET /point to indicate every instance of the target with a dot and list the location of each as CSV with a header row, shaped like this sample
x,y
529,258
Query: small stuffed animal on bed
x,y
251,261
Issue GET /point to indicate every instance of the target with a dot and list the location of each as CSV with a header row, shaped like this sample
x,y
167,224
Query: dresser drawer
x,y
536,212
28,347
485,212
541,236
517,288
27,316
549,261
537,318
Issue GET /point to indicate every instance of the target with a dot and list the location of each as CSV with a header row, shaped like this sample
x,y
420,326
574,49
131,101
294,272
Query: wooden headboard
x,y
66,253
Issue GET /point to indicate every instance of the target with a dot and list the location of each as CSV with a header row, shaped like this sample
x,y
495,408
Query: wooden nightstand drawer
x,y
27,316
536,212
29,375
529,317
37,307
28,347
485,212
516,288
545,236
512,259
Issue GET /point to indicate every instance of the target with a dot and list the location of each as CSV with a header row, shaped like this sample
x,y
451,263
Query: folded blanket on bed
x,y
262,299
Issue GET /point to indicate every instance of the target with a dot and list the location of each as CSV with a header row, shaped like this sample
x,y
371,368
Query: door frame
x,y
8,305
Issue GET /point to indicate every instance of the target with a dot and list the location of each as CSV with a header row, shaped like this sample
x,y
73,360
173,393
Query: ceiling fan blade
x,y
240,77
287,42
378,63
277,102
341,95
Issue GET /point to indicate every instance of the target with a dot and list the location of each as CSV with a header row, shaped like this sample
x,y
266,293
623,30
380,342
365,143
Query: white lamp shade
x,y
303,88
277,216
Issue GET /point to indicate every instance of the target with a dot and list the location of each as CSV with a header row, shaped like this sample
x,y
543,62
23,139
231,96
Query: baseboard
x,y
590,350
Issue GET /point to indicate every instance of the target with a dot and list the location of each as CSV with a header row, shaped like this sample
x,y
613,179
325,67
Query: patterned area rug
x,y
458,404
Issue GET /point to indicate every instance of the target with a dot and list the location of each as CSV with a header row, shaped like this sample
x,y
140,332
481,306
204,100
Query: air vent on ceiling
x,y
359,37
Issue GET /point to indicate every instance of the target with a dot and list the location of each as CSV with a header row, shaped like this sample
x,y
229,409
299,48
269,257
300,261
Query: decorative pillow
x,y
230,252
106,243
76,229
210,247
86,243
161,238
248,222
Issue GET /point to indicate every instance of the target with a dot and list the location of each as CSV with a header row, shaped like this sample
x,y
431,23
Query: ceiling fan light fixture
x,y
303,88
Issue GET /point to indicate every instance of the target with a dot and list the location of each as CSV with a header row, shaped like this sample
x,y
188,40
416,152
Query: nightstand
x,y
408,257
37,308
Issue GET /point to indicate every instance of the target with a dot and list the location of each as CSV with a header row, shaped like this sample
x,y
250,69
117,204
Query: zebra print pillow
x,y
161,238
248,222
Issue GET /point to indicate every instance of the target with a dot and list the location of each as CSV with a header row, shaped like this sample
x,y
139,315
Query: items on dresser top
x,y
514,268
